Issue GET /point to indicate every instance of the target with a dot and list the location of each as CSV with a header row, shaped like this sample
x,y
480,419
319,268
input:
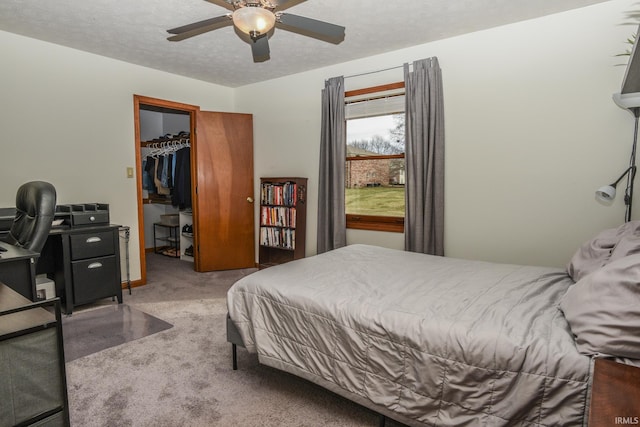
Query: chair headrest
x,y
36,198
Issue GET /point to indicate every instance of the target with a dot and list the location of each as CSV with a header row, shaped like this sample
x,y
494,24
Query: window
x,y
374,170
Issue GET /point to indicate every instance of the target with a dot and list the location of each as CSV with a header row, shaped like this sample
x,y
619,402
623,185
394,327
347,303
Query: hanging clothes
x,y
162,190
165,176
148,168
163,168
181,196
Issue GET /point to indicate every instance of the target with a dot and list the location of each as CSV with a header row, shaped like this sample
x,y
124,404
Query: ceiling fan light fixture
x,y
254,20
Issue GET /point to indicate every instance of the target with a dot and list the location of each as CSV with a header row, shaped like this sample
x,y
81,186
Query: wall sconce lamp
x,y
607,193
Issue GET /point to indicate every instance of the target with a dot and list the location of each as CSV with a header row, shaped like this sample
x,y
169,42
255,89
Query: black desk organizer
x,y
83,214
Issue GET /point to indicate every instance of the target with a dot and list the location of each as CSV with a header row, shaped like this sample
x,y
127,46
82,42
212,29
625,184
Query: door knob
x,y
250,199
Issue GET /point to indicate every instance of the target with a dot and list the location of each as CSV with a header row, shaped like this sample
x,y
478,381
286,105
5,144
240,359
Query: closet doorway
x,y
221,211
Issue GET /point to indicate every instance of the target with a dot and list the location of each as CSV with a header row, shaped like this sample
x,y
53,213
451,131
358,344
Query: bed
x,y
424,340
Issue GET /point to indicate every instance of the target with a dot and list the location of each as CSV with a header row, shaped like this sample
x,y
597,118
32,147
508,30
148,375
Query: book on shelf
x,y
284,238
278,216
285,194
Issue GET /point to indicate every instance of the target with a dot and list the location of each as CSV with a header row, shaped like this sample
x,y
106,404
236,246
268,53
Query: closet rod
x,y
169,142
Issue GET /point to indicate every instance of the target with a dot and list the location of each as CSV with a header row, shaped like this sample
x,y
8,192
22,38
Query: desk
x,y
18,270
83,261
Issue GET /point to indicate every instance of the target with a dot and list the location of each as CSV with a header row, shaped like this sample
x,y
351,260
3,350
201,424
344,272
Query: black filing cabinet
x,y
86,264
94,267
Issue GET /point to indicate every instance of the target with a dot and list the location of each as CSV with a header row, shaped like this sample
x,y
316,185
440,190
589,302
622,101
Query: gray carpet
x,y
183,376
90,331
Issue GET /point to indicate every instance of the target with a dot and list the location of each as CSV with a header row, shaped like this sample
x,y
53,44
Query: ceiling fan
x,y
256,19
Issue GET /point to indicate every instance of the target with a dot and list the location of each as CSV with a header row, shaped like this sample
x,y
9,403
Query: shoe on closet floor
x,y
172,252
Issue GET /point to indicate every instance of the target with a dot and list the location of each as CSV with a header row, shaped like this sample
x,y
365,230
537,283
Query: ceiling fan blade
x,y
217,22
222,3
310,27
191,30
260,49
284,4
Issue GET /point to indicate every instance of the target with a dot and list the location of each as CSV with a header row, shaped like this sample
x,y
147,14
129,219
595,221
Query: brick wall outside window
x,y
367,173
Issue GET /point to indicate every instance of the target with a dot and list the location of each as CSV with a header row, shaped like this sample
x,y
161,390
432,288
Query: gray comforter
x,y
425,340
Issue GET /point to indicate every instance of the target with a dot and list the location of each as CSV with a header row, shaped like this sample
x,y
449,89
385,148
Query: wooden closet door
x,y
223,208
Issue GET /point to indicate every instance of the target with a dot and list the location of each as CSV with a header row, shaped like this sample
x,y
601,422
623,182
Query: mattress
x,y
422,339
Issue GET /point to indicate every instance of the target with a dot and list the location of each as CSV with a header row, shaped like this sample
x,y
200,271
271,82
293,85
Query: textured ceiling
x,y
135,31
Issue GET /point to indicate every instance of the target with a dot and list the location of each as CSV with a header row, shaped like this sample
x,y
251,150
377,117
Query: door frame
x,y
159,103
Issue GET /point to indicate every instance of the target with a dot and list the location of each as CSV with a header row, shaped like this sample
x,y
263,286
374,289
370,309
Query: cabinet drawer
x,y
88,218
94,279
90,245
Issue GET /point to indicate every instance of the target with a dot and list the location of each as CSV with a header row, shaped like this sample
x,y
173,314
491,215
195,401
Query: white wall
x,y
531,132
66,116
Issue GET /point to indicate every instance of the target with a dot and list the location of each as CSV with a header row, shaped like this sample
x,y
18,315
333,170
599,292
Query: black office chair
x,y
35,208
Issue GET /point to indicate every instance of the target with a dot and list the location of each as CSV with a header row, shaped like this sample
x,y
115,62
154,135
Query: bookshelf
x,y
283,220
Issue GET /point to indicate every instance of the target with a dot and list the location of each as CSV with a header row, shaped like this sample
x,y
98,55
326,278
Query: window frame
x,y
392,224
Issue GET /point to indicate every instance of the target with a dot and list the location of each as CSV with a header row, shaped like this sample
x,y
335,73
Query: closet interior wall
x,y
155,123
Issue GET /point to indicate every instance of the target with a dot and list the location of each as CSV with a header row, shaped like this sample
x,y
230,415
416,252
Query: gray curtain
x,y
332,222
424,157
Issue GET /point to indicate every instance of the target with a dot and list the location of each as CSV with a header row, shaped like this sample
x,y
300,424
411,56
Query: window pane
x,y
375,186
369,195
375,135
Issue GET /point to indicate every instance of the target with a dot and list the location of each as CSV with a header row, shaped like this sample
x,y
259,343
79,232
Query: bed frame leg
x,y
382,421
234,356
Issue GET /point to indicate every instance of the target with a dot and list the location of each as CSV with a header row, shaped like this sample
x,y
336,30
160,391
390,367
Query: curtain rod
x,y
380,71
373,72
